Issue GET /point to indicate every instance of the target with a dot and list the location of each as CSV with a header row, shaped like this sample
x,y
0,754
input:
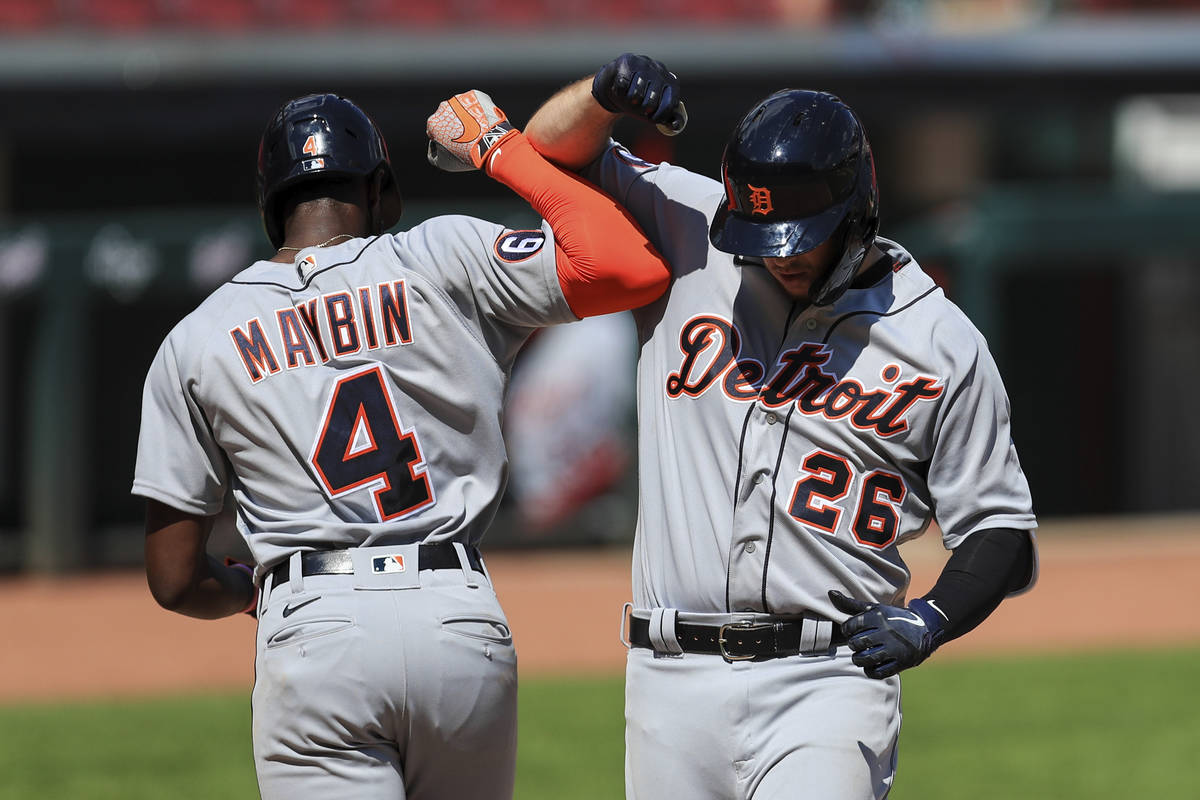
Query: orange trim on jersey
x,y
393,310
295,343
824,511
605,262
360,423
255,349
343,329
368,317
879,495
308,315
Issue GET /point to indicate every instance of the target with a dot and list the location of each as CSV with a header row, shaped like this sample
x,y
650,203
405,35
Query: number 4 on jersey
x,y
362,445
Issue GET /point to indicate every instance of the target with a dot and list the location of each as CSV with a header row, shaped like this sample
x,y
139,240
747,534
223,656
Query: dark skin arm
x,y
183,578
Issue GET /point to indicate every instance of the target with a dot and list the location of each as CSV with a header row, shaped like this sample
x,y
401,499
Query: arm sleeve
x,y
672,205
604,261
179,462
985,568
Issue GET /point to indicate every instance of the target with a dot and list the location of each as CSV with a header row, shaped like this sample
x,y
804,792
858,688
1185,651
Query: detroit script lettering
x,y
711,348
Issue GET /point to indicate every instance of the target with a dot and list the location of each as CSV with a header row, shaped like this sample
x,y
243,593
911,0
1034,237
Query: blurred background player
x,y
569,435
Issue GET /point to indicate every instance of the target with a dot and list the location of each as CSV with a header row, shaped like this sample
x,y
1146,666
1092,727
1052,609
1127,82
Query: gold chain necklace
x,y
325,243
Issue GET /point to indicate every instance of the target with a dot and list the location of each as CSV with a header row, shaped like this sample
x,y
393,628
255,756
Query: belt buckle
x,y
741,627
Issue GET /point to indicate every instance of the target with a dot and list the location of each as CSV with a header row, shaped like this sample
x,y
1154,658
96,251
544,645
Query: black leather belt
x,y
736,641
442,555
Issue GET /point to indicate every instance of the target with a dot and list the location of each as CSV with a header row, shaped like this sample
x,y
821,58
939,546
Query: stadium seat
x,y
27,15
718,11
228,15
404,13
311,13
614,12
508,13
119,14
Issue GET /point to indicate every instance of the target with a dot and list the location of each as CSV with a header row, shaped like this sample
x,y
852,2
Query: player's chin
x,y
797,284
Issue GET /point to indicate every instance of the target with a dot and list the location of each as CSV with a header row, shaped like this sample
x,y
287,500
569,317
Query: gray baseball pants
x,y
800,728
401,685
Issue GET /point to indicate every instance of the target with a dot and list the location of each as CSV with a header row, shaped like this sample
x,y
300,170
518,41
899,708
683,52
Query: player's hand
x,y
887,639
643,87
465,131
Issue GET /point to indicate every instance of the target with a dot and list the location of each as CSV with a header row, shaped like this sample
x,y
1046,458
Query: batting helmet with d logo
x,y
798,171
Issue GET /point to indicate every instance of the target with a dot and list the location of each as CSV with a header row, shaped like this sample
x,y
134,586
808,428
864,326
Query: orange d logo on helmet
x,y
760,200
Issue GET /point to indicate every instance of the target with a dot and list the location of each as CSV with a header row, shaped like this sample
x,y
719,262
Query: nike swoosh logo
x,y
906,619
288,610
471,129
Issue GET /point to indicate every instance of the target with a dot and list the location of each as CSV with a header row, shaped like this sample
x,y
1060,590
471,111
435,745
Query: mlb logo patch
x,y
381,564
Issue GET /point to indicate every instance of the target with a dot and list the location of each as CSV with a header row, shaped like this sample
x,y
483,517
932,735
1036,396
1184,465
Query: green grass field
x,y
1084,726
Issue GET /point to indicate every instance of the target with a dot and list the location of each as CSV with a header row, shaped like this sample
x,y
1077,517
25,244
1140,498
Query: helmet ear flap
x,y
391,204
273,222
858,232
840,275
383,201
375,197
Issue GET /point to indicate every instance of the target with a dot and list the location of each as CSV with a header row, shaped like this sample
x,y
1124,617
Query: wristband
x,y
251,607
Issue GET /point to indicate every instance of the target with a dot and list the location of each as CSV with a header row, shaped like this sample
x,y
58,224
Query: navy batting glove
x,y
888,639
639,85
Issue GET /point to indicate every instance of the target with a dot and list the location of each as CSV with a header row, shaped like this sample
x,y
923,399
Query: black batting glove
x,y
641,86
888,639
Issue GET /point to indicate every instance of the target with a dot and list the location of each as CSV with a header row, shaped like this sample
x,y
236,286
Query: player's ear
x,y
375,214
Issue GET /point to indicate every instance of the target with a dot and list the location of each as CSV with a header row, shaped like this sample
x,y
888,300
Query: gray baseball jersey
x,y
830,434
785,451
354,400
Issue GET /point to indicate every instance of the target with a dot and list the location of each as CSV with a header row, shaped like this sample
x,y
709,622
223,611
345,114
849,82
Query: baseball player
x,y
808,400
348,392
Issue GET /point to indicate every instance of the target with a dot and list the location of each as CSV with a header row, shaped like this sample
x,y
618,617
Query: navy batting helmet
x,y
798,171
315,137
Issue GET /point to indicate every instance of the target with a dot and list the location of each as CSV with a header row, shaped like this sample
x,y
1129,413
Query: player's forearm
x,y
980,573
212,591
216,591
571,129
605,262
182,577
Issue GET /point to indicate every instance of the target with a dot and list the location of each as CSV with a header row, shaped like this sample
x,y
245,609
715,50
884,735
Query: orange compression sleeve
x,y
605,262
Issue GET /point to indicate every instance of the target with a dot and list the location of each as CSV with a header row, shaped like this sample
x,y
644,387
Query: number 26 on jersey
x,y
828,478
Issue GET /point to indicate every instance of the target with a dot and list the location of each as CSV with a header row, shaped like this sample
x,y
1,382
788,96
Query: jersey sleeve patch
x,y
515,246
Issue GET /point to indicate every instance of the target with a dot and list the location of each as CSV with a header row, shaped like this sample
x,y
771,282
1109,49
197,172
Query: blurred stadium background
x,y
1041,157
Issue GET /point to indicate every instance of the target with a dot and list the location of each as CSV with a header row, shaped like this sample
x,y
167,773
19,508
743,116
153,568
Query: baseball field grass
x,y
1096,725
